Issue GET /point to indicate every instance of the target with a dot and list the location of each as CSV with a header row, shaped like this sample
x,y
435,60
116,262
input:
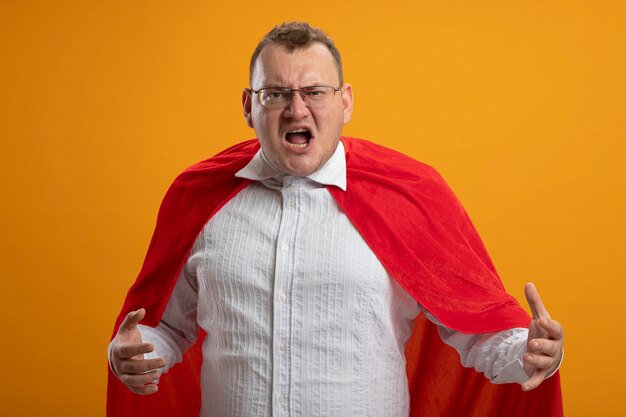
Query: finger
x,y
145,389
534,301
540,362
534,381
132,319
139,380
553,328
126,351
545,347
139,366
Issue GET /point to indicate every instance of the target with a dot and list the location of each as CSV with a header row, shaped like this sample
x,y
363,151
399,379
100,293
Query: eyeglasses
x,y
313,96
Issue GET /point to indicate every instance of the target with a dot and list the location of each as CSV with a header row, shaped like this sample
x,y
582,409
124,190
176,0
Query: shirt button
x,y
282,296
285,248
281,399
282,347
291,203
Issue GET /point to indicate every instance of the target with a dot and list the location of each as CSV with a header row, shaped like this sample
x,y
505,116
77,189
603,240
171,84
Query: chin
x,y
301,171
300,168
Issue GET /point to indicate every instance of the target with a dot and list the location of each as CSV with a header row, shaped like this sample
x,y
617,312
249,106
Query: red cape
x,y
418,230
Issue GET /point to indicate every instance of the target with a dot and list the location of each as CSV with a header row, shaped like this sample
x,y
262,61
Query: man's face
x,y
318,129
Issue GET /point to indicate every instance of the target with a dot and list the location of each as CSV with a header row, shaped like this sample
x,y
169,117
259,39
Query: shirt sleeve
x,y
498,354
178,329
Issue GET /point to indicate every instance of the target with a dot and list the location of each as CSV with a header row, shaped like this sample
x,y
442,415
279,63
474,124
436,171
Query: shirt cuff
x,y
109,352
146,334
513,372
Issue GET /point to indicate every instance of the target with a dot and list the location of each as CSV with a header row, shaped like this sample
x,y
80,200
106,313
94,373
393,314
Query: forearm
x,y
177,330
497,355
167,344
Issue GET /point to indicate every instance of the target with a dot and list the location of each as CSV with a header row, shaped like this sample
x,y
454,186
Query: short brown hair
x,y
295,35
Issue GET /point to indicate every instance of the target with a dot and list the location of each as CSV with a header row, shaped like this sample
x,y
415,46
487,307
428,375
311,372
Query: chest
x,y
291,245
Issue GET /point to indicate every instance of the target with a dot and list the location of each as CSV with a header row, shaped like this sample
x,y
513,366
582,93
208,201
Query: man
x,y
304,282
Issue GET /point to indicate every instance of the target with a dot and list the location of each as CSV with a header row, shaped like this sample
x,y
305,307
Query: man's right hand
x,y
127,357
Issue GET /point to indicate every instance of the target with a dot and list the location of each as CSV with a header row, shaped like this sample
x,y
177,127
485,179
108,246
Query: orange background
x,y
521,106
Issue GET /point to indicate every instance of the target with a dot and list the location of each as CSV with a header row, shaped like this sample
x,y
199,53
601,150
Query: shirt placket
x,y
284,305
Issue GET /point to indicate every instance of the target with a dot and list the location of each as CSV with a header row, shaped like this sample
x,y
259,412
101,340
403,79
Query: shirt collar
x,y
332,173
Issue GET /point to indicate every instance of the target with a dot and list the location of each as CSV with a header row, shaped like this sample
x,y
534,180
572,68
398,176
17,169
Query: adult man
x,y
300,280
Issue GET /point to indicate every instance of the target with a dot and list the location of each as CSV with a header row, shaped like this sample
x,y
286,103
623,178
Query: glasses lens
x,y
274,97
314,96
317,94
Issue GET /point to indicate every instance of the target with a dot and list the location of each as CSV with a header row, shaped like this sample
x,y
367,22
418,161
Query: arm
x,y
178,329
525,356
498,355
139,354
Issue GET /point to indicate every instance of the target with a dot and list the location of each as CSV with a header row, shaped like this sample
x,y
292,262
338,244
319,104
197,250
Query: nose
x,y
297,108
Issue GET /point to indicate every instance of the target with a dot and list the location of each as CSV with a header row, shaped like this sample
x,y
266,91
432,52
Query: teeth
x,y
298,145
298,131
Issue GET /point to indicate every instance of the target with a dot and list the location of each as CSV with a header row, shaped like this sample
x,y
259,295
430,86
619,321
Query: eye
x,y
315,92
275,94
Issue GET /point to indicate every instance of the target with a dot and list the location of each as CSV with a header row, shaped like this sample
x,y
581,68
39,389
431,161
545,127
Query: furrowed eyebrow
x,y
278,85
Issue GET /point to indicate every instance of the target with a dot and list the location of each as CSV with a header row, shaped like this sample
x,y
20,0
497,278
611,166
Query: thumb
x,y
534,302
132,319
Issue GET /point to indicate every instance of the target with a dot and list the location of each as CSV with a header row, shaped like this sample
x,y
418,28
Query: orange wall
x,y
521,105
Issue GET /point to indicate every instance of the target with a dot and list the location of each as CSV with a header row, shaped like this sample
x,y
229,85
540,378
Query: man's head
x,y
298,132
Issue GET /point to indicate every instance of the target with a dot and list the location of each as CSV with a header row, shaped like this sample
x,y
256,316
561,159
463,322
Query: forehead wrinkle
x,y
297,78
291,85
275,68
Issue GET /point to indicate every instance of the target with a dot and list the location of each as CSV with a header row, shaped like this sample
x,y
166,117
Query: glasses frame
x,y
292,91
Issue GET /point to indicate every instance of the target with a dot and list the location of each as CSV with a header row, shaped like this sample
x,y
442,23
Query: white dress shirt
x,y
301,317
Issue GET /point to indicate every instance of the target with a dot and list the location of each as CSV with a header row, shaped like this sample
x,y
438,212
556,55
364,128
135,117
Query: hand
x,y
127,357
544,348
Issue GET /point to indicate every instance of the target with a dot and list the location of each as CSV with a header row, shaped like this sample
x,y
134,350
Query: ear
x,y
347,100
246,102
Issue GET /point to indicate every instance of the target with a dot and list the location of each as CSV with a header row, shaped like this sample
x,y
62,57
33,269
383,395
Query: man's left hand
x,y
544,348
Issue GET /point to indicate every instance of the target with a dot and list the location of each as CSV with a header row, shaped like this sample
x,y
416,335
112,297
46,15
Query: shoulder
x,y
223,164
372,169
215,175
363,155
230,158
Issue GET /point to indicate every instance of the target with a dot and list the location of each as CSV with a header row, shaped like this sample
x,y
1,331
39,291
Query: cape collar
x,y
332,173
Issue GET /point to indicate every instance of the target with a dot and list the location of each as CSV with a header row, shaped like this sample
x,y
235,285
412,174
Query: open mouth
x,y
298,138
